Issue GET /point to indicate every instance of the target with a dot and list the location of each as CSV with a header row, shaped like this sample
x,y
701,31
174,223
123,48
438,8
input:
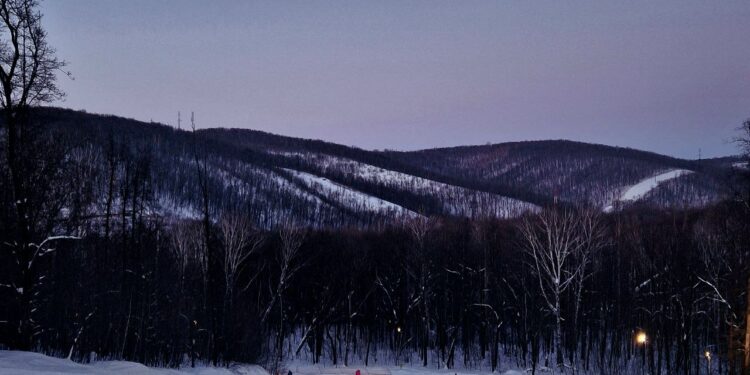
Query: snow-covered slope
x,y
643,187
454,200
349,197
573,172
27,363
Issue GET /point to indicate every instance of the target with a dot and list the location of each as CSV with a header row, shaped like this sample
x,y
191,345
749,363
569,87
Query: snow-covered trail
x,y
456,200
27,363
644,186
347,196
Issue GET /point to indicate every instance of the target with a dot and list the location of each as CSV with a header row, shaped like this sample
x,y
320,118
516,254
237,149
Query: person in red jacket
x,y
357,373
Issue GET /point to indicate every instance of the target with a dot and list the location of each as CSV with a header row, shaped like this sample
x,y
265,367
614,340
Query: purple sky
x,y
670,76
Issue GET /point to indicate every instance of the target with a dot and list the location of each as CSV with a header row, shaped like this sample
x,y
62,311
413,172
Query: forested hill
x,y
321,184
573,171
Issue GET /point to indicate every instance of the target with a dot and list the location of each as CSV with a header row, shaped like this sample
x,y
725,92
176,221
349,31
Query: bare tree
x,y
743,141
180,241
480,236
188,248
714,275
292,237
28,68
240,241
419,227
201,164
559,243
28,65
593,237
743,170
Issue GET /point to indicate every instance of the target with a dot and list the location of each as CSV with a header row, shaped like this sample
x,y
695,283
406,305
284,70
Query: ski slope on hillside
x,y
236,181
643,187
455,200
349,197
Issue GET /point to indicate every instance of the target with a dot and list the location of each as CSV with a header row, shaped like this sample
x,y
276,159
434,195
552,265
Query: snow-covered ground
x,y
419,371
455,199
317,370
348,196
643,187
27,363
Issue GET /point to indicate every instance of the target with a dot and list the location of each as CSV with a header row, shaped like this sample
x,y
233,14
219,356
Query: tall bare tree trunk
x,y
23,250
558,333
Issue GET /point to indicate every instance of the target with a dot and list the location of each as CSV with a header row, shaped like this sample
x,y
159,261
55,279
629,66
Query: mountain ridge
x,y
284,178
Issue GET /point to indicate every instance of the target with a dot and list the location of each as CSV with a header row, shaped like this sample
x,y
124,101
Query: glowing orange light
x,y
641,338
708,355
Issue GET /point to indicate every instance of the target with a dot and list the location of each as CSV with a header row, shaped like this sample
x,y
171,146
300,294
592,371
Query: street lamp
x,y
707,354
641,338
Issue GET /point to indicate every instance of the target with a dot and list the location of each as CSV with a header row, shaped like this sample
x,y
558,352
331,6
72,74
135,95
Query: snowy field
x,y
27,363
312,370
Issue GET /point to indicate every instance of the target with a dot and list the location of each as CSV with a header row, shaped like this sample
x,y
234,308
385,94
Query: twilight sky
x,y
670,76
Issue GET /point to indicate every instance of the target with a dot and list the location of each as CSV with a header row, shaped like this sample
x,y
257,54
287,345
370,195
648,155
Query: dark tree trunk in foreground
x,y
27,74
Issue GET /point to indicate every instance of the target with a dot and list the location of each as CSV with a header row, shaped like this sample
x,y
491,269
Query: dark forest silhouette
x,y
92,266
